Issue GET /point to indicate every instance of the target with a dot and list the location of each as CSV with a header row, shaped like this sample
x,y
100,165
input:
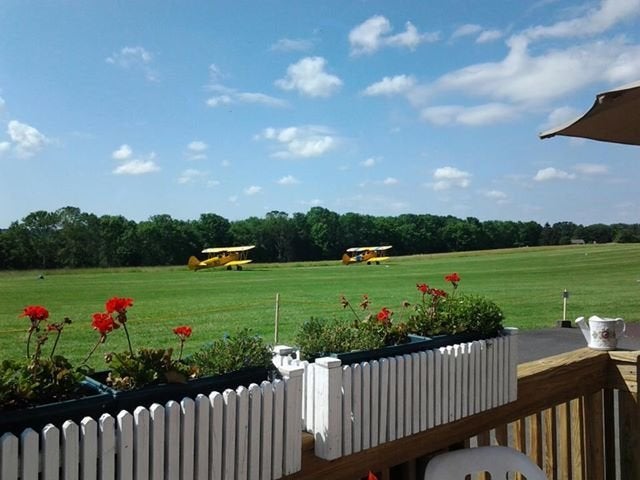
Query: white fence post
x,y
512,337
328,421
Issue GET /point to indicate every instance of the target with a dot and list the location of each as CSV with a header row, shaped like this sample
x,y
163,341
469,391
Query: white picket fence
x,y
248,433
355,407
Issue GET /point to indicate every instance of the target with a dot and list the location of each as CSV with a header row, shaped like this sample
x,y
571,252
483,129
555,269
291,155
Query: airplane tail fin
x,y
346,259
193,263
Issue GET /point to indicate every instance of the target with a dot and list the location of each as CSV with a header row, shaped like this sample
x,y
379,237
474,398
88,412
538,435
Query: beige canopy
x,y
614,117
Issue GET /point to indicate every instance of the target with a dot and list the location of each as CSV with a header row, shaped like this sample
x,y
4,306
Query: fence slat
x,y
375,403
266,430
400,392
408,395
365,399
70,450
392,400
255,412
124,444
187,438
201,453
347,409
156,442
229,432
356,407
107,447
172,439
30,458
216,435
422,376
383,424
278,429
9,460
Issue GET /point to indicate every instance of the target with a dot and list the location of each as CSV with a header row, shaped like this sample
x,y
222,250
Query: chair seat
x,y
496,460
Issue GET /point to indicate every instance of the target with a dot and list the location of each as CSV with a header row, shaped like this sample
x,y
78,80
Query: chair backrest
x,y
496,460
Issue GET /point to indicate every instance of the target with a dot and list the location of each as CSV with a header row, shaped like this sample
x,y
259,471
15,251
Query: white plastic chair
x,y
496,460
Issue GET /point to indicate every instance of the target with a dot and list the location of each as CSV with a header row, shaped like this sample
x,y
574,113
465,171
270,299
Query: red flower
x,y
118,305
182,332
436,292
384,315
36,313
423,287
371,476
103,323
454,278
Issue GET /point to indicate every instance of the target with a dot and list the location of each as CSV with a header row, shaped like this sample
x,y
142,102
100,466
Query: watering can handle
x,y
620,326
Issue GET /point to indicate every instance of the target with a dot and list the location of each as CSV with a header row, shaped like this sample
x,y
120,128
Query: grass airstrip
x,y
527,283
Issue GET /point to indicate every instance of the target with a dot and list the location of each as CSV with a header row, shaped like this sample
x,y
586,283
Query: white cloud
x,y
396,85
219,100
197,146
489,36
368,163
196,150
560,116
2,104
292,45
390,181
190,175
136,167
374,33
591,168
525,79
234,97
488,114
496,195
252,190
466,30
551,173
25,140
288,180
595,21
122,153
302,142
134,58
309,78
450,177
4,147
133,166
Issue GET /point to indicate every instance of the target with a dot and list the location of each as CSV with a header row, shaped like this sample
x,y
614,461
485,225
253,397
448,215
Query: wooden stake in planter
x,y
275,337
564,322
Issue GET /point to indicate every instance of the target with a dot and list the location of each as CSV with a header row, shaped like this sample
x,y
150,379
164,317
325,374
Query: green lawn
x,y
527,283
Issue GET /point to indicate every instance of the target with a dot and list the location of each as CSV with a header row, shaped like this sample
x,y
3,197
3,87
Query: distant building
x,y
577,241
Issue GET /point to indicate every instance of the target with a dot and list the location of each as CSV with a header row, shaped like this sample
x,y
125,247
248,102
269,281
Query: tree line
x,y
70,238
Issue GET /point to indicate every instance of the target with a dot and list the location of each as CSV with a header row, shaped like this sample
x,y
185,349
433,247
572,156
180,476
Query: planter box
x,y
95,402
162,393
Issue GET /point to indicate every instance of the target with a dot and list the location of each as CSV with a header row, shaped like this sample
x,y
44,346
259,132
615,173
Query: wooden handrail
x,y
542,385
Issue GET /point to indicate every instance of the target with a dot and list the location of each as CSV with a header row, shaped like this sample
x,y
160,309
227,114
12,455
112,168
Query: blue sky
x,y
240,108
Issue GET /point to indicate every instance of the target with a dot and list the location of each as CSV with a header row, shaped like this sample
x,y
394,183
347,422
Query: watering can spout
x,y
584,327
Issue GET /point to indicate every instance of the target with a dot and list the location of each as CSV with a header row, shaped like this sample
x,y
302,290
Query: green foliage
x,y
231,353
146,366
471,313
319,337
46,380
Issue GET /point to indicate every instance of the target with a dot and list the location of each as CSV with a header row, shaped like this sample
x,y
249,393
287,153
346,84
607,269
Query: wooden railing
x,y
576,416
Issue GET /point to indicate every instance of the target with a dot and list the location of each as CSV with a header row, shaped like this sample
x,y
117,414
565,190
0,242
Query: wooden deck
x,y
576,415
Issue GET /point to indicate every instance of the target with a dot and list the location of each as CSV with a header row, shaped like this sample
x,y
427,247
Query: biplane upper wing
x,y
228,249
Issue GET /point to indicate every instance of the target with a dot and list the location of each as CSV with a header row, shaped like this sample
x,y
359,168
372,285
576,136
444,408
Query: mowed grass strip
x,y
527,283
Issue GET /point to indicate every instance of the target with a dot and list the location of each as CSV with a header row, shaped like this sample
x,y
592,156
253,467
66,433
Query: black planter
x,y
95,402
415,344
162,393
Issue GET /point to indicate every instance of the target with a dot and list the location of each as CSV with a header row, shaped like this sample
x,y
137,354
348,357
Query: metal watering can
x,y
601,333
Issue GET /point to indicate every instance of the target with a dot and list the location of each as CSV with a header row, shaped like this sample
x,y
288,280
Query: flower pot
x,y
95,401
163,392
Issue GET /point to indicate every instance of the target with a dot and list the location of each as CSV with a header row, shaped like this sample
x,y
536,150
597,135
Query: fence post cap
x,y
291,371
283,350
328,362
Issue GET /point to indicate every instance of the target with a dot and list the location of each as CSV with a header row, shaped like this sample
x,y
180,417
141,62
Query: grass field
x,y
527,283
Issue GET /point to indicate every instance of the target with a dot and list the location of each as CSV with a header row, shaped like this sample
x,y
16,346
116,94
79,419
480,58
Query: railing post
x,y
282,355
293,419
328,409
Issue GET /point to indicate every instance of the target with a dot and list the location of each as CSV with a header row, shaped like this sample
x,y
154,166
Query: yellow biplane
x,y
366,255
222,257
